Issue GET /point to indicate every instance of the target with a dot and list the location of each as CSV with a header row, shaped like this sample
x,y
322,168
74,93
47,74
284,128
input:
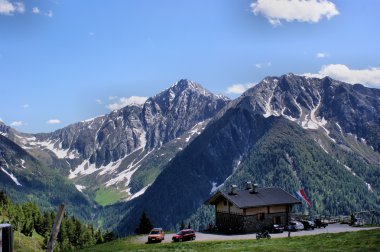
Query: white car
x,y
295,226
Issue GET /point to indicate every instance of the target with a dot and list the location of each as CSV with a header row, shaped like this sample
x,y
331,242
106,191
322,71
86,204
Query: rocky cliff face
x,y
176,110
338,110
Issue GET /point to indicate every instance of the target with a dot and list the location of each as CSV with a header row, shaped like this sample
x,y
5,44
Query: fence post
x,y
55,230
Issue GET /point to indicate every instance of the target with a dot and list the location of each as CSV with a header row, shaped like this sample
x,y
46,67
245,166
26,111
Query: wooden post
x,y
55,230
19,236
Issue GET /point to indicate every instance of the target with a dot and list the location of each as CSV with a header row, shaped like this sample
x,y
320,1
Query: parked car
x,y
307,224
184,235
274,228
294,226
156,235
358,222
319,223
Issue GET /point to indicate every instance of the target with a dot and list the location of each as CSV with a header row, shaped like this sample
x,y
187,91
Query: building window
x,y
277,220
225,202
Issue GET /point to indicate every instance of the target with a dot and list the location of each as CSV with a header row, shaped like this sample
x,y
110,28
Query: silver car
x,y
295,226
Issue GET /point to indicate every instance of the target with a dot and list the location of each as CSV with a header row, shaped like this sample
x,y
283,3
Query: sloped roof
x,y
262,197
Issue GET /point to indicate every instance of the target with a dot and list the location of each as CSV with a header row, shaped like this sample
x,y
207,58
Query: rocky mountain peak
x,y
181,88
5,129
330,106
178,108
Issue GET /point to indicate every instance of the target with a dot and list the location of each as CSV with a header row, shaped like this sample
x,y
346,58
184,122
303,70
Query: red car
x,y
184,235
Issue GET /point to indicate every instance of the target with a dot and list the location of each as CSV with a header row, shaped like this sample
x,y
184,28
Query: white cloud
x,y
239,88
49,14
98,101
17,123
9,8
125,101
1,119
35,10
53,121
322,55
311,11
261,65
369,76
112,98
25,106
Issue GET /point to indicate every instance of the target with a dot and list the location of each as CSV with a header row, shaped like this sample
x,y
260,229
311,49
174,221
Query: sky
x,y
63,61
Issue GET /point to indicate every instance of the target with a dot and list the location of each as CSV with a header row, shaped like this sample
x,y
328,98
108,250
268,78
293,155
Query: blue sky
x,y
63,61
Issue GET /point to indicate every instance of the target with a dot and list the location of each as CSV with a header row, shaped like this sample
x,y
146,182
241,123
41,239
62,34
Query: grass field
x,y
106,196
350,241
24,243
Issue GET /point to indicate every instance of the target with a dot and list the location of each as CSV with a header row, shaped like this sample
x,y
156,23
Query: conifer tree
x,y
99,237
182,225
109,236
144,226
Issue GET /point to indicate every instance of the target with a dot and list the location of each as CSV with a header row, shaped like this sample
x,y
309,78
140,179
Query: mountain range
x,y
167,156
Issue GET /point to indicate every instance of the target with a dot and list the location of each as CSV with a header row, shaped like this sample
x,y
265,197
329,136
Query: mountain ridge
x,y
185,142
111,148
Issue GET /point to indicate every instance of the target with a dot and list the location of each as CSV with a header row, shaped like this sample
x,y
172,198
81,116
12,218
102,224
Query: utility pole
x,y
56,227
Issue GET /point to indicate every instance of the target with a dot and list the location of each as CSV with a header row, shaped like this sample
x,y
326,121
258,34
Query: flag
x,y
301,193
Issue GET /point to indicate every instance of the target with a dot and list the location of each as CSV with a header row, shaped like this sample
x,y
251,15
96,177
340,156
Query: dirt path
x,y
332,228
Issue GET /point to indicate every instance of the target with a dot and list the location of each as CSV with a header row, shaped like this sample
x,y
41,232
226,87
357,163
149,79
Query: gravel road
x,y
332,228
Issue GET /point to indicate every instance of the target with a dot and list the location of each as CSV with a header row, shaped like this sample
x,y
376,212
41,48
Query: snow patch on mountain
x,y
350,170
56,148
340,128
13,177
268,108
80,187
86,168
321,145
142,138
369,187
127,173
311,122
139,193
23,163
286,116
195,130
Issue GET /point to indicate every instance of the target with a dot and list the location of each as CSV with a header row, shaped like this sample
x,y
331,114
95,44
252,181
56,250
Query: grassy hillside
x,y
105,196
350,241
28,244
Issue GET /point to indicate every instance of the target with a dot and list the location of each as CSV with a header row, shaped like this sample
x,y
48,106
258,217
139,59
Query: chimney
x,y
248,185
255,186
233,190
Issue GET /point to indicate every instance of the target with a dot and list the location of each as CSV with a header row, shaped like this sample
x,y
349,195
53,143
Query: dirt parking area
x,y
332,228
